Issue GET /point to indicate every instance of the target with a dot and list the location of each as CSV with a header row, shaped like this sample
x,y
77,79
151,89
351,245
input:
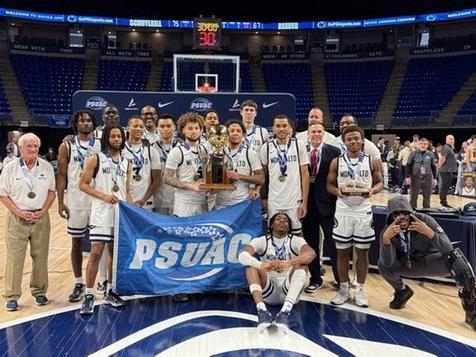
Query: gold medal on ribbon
x,y
31,195
115,188
137,177
196,177
282,178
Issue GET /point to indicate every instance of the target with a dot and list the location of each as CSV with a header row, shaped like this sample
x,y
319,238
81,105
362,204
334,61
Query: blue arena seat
x,y
123,75
356,88
48,83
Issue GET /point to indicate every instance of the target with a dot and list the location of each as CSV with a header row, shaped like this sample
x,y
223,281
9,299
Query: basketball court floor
x,y
223,324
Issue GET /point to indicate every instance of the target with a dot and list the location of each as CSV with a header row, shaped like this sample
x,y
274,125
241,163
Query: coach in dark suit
x,y
321,204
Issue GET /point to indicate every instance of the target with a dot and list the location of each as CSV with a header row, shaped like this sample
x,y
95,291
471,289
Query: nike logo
x,y
267,105
161,105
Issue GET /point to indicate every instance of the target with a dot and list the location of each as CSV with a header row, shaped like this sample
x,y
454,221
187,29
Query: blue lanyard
x,y
29,176
247,141
231,157
280,251
117,166
81,156
350,170
282,156
137,157
405,244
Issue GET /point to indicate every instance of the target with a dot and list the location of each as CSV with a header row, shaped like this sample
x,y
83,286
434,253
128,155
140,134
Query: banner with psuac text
x,y
162,255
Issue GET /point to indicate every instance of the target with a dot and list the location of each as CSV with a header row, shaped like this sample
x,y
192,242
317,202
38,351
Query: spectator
x,y
447,167
50,155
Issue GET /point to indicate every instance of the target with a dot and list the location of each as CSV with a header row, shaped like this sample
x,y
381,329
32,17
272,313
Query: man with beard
x,y
165,194
149,115
145,164
110,116
111,173
276,269
369,147
71,162
316,116
414,245
256,136
185,169
353,177
244,168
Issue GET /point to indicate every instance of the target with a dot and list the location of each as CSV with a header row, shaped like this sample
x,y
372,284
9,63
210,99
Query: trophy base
x,y
354,191
217,186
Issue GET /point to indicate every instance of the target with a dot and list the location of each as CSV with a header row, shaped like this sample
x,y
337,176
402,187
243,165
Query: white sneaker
x,y
360,297
342,296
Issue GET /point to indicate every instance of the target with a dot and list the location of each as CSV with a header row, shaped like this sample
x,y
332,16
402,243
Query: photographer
x,y
414,245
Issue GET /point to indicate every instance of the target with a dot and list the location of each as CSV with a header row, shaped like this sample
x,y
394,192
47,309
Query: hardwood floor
x,y
434,304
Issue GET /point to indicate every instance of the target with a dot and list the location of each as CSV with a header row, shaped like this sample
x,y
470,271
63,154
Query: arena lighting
x,y
240,25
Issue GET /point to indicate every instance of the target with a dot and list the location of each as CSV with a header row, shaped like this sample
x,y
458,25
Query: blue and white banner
x,y
162,255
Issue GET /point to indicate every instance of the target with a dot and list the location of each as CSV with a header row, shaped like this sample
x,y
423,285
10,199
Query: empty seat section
x,y
123,75
356,88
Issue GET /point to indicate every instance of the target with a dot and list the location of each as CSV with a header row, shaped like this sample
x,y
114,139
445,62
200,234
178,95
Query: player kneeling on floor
x,y
278,275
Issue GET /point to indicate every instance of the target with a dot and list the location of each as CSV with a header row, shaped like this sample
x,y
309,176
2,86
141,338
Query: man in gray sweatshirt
x,y
414,245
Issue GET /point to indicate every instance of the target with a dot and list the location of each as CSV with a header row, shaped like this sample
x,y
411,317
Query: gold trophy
x,y
217,164
355,188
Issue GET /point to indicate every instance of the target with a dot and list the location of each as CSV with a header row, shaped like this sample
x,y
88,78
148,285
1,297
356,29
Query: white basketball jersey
x,y
165,194
78,154
270,248
102,213
189,165
354,169
256,137
284,189
244,161
144,159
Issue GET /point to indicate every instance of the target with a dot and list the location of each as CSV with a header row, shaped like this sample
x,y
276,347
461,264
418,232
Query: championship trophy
x,y
355,188
217,164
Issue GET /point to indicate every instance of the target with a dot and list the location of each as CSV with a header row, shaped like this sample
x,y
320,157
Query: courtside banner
x,y
162,255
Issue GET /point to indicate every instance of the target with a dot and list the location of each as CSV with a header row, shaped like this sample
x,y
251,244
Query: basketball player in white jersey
x,y
353,171
111,173
256,136
244,168
145,164
316,116
165,194
149,115
184,169
285,161
278,275
71,162
110,116
369,147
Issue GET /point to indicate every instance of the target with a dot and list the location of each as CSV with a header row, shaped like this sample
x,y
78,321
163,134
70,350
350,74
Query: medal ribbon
x,y
282,156
81,156
350,170
137,158
30,175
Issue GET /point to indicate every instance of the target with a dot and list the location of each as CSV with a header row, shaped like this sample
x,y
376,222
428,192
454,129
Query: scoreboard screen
x,y
207,33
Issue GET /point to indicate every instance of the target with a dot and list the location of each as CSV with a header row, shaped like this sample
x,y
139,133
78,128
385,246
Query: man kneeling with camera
x,y
414,245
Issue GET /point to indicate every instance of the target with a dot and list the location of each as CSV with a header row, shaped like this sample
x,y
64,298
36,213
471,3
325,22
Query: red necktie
x,y
314,161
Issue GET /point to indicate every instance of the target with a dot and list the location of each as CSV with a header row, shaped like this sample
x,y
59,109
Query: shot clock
x,y
207,33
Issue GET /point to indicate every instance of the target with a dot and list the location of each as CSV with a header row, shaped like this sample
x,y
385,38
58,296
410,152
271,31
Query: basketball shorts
x,y
351,231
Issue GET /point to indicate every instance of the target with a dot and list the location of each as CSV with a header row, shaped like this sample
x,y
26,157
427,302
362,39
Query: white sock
x,y
90,291
109,287
261,306
344,286
359,286
78,280
295,288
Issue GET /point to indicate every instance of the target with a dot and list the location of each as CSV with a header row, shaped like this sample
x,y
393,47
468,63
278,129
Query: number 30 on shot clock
x,y
207,33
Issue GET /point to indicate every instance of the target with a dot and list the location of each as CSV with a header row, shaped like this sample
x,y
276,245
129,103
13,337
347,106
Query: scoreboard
x,y
207,33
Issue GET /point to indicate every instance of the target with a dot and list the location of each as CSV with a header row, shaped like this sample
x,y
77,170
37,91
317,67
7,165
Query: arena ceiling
x,y
243,10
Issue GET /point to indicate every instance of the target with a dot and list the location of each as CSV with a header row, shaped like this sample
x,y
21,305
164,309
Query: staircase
x,y
446,116
257,79
13,91
319,88
91,68
155,75
389,101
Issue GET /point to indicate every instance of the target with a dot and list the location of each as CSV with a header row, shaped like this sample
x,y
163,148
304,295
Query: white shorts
x,y
78,222
189,209
292,213
149,205
351,231
274,293
101,234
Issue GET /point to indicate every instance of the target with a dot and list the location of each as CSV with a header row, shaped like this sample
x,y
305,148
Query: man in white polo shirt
x,y
27,189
